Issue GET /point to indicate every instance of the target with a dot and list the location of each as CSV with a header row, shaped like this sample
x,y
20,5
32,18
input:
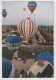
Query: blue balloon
x,y
45,56
32,5
6,68
4,13
13,42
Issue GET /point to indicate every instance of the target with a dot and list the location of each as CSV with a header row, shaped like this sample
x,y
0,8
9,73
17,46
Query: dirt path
x,y
15,54
19,65
34,41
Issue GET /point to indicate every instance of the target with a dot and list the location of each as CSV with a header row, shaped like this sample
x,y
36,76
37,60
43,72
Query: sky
x,y
44,12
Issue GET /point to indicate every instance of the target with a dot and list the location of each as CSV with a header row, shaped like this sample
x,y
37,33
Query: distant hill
x,y
15,26
8,25
45,26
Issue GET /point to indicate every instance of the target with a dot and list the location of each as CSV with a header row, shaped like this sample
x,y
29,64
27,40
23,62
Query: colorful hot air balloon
x,y
4,13
40,69
13,42
8,70
24,9
45,56
26,28
32,5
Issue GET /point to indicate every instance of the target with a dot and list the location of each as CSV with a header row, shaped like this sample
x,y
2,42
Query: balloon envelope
x,y
32,5
13,42
8,69
24,9
4,13
45,56
26,28
40,69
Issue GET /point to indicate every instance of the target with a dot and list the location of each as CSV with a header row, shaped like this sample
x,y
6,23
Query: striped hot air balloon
x,y
27,28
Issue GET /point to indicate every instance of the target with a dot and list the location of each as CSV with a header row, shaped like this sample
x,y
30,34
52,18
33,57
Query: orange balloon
x,y
24,9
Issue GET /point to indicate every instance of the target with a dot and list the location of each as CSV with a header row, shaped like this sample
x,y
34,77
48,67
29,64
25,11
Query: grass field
x,y
50,36
4,35
6,53
47,36
23,52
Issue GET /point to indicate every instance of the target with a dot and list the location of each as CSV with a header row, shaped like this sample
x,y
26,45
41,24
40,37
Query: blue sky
x,y
44,12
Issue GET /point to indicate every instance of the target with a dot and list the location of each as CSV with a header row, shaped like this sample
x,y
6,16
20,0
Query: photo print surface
x,y
27,39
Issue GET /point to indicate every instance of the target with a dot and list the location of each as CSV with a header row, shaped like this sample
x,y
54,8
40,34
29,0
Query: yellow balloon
x,y
24,9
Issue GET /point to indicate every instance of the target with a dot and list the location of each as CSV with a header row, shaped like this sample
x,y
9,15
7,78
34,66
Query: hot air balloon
x,y
4,13
13,42
8,70
40,69
26,28
45,56
24,9
32,5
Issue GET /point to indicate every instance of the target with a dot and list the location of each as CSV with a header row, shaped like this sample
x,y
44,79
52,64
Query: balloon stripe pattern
x,y
32,5
20,29
29,27
26,28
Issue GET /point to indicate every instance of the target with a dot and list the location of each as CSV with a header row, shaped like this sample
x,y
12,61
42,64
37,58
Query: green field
x,y
4,35
47,36
23,52
6,53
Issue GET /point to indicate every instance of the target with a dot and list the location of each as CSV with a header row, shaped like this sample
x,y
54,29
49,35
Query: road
x,y
19,65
